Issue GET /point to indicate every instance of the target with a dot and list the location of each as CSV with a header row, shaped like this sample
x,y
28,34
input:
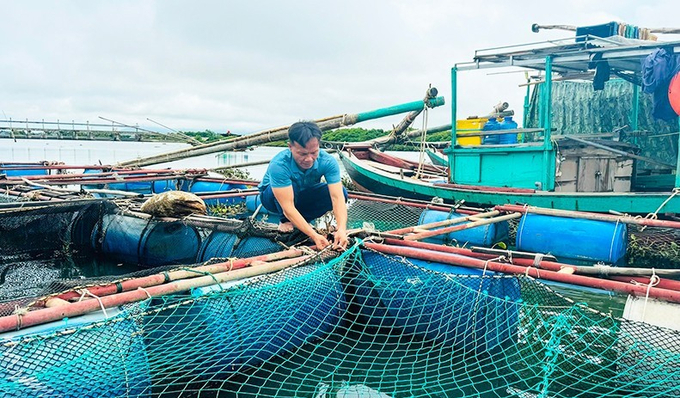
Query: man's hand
x,y
340,240
320,241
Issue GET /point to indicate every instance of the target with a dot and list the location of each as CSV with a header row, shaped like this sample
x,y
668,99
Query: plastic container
x,y
253,202
573,238
508,124
241,324
219,244
148,243
199,186
16,170
448,305
49,360
491,125
469,125
484,235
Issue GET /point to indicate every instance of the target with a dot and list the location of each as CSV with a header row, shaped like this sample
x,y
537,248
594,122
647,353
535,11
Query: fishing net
x,y
48,248
358,325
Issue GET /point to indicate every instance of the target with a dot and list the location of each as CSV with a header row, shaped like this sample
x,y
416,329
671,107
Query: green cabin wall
x,y
493,167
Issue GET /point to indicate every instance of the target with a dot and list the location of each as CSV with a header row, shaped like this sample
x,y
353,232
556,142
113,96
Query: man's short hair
x,y
302,132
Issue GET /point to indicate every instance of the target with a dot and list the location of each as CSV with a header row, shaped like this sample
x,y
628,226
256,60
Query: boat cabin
x,y
550,156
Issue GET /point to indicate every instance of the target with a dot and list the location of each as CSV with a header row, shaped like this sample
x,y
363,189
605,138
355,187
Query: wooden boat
x,y
573,173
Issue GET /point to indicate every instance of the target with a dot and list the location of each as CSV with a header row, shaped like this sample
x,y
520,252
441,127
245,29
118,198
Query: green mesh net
x,y
362,324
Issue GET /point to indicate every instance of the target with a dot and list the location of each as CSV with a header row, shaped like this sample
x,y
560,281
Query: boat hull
x,y
384,183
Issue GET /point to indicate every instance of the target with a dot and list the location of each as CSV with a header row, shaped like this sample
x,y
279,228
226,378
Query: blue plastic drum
x,y
483,235
573,238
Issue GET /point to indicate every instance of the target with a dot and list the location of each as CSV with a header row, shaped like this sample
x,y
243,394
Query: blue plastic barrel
x,y
97,360
508,124
244,323
219,244
161,186
142,187
19,170
198,186
483,235
491,125
253,203
254,246
573,238
449,305
148,242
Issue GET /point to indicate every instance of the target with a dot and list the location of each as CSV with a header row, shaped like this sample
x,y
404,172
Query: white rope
x,y
423,145
653,216
538,257
653,281
145,291
611,245
86,292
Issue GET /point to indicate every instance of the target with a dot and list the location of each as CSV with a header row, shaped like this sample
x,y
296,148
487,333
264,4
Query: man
x,y
292,186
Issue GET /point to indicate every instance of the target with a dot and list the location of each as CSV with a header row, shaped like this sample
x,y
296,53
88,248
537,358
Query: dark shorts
x,y
312,202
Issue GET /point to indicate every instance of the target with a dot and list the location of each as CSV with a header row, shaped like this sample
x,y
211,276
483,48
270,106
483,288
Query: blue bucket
x,y
147,242
107,360
483,235
443,303
573,238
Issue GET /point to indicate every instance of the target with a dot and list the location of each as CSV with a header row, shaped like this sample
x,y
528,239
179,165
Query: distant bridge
x,y
81,131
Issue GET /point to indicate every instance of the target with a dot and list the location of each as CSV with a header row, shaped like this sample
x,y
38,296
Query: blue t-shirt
x,y
284,172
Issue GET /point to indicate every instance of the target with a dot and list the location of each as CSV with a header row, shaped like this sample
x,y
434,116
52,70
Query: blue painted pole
x,y
548,182
635,110
454,118
398,109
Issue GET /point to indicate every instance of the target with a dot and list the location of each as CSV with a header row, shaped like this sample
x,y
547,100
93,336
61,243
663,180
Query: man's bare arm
x,y
340,213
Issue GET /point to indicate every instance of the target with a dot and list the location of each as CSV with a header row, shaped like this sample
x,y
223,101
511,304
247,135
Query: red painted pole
x,y
527,262
459,260
46,315
591,216
165,277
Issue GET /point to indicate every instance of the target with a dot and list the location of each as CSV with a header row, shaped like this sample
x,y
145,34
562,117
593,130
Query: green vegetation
x,y
207,136
355,134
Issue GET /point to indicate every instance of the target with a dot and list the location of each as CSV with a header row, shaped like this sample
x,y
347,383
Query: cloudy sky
x,y
249,65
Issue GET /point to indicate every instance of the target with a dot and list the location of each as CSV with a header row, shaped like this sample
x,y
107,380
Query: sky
x,y
246,66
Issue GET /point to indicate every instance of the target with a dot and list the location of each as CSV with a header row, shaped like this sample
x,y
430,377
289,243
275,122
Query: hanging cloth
x,y
657,70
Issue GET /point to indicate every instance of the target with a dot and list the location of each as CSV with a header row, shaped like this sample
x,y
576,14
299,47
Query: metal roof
x,y
572,55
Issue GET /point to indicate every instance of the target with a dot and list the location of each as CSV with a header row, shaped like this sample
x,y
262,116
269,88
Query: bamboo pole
x,y
19,321
165,277
581,280
625,219
428,234
443,223
279,133
540,261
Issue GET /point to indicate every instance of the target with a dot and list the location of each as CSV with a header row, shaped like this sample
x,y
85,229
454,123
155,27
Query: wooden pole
x,y
626,219
165,277
604,284
423,235
443,223
46,315
279,133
